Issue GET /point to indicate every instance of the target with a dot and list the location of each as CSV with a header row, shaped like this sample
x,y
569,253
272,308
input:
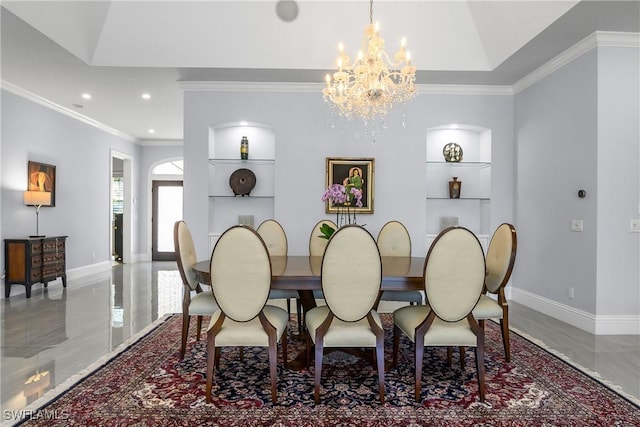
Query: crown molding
x,y
23,93
210,86
435,89
596,39
160,142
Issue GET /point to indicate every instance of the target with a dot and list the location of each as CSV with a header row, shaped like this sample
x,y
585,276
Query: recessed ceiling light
x,y
86,96
151,131
146,96
77,105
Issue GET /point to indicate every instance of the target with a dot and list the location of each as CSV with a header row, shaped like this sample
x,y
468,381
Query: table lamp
x,y
37,199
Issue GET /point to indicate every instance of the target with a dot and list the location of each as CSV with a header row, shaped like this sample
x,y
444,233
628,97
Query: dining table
x,y
302,273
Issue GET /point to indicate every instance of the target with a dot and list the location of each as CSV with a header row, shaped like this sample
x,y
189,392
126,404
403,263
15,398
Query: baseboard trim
x,y
594,324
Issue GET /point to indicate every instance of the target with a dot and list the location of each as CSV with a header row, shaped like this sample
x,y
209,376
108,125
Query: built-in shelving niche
x,y
474,171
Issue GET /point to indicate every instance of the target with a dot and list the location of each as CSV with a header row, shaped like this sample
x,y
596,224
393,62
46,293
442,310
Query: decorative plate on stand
x,y
452,152
242,182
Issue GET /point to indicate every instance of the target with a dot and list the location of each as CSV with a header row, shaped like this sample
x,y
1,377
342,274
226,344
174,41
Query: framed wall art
x,y
42,177
351,172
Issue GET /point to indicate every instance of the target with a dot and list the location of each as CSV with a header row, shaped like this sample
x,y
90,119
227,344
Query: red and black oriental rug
x,y
147,384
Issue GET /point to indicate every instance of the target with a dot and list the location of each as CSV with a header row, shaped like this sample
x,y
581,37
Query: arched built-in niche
x,y
472,209
226,208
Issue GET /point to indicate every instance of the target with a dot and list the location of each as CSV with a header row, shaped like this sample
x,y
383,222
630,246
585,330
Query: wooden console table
x,y
33,260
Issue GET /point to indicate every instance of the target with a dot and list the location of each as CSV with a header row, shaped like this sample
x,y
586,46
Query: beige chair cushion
x,y
251,333
187,254
317,244
351,273
487,308
274,237
342,334
394,240
498,257
203,304
240,273
454,274
440,333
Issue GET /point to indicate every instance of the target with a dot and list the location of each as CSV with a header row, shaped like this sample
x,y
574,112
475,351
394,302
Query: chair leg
x,y
199,328
449,356
217,357
185,334
380,360
273,369
480,365
461,350
396,344
211,356
419,355
318,370
504,325
300,316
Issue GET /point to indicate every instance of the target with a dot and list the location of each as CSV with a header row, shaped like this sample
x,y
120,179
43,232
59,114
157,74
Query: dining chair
x,y
318,244
351,276
240,272
453,276
275,238
394,240
501,256
195,300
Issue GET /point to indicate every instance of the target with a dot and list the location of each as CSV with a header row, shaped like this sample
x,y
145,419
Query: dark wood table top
x,y
302,272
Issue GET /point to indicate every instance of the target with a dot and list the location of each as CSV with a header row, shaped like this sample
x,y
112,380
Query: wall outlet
x,y
570,293
634,226
576,225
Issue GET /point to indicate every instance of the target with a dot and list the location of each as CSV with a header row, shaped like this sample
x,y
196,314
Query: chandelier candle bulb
x,y
374,83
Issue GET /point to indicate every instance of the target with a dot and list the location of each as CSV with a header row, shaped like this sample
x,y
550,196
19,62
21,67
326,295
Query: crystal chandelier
x,y
373,84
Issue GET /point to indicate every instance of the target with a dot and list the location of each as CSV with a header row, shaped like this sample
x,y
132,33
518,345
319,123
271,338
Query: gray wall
x,y
82,156
618,275
305,137
578,129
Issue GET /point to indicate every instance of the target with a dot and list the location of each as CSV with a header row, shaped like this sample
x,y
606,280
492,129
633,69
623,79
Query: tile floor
x,y
57,333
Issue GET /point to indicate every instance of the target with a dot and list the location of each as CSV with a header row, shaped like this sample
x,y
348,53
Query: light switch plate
x,y
576,225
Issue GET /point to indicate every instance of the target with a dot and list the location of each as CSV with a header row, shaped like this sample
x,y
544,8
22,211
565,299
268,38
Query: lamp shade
x,y
37,198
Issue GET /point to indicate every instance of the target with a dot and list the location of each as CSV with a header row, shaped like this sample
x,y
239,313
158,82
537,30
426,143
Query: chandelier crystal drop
x,y
373,84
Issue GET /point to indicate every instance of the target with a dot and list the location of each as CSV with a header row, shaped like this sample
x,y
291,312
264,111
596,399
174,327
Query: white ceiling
x,y
116,50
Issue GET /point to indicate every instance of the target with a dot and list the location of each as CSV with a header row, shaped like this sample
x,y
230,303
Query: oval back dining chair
x,y
195,300
501,256
240,272
351,278
394,241
454,276
275,238
317,242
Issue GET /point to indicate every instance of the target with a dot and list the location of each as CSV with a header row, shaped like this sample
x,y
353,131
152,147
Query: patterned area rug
x,y
148,385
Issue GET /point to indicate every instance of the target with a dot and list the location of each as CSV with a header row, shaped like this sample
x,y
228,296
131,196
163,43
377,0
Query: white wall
x,y
618,251
81,154
556,149
305,137
578,128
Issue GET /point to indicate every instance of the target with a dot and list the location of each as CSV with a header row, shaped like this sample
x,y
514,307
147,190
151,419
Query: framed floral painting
x,y
42,177
349,184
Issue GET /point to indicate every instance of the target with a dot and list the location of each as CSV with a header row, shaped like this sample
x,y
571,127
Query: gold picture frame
x,y
42,177
341,170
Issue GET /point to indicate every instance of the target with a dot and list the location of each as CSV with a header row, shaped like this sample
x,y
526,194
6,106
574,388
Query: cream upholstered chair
x,y
275,238
318,244
454,275
351,278
195,300
240,279
394,240
501,256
